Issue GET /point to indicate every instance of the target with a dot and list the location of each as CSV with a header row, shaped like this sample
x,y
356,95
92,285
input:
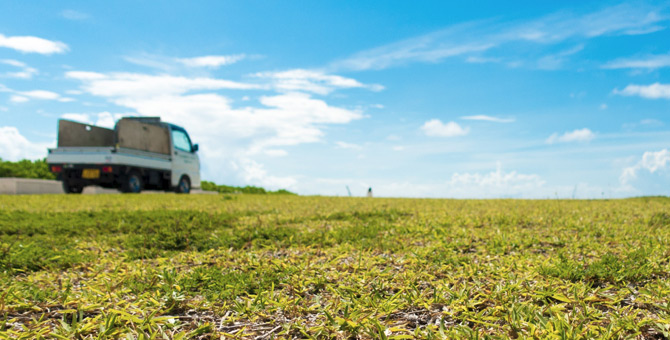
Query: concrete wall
x,y
26,186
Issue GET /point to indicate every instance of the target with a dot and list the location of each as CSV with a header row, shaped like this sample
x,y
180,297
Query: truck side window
x,y
181,141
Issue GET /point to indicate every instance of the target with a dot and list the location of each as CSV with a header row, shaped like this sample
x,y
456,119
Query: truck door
x,y
184,159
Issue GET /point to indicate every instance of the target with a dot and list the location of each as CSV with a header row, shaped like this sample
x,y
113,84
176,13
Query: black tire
x,y
132,183
72,189
184,186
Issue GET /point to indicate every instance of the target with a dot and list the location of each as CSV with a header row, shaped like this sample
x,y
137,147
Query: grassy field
x,y
263,267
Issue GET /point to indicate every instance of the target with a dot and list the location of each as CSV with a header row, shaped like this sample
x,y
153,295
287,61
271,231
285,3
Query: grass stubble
x,y
264,267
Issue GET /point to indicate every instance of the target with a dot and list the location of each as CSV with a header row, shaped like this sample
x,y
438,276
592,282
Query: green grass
x,y
284,266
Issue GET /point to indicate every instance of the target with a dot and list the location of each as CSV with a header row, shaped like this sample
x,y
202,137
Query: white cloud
x,y
602,106
398,148
228,136
435,128
103,119
312,81
497,183
74,15
41,94
18,99
211,61
652,161
471,39
143,85
84,75
579,135
555,61
24,96
647,62
78,117
26,71
481,60
14,146
651,122
653,91
13,62
29,44
253,172
489,119
344,145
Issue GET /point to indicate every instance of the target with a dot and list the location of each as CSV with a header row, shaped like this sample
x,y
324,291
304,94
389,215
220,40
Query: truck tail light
x,y
56,168
107,169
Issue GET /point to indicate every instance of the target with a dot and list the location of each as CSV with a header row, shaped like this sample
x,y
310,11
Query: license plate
x,y
90,173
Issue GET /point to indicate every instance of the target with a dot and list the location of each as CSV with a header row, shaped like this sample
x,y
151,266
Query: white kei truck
x,y
139,153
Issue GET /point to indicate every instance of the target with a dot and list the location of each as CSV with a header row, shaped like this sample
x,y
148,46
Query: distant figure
x,y
369,192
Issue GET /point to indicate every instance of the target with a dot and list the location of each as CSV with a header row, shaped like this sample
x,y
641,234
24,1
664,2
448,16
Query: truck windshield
x,y
181,141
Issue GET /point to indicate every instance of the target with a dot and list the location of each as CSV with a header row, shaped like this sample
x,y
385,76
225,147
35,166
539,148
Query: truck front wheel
x,y
132,183
184,186
71,188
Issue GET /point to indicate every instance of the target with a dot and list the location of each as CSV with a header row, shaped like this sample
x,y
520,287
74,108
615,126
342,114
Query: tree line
x,y
39,169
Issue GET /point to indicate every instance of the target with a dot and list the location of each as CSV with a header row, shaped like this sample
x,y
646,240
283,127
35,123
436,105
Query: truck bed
x,y
109,155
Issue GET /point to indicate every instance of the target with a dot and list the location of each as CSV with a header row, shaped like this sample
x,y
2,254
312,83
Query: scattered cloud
x,y
602,106
312,81
489,119
651,122
497,183
648,173
482,60
555,61
646,123
71,14
14,146
143,85
471,39
651,62
211,61
103,119
344,145
26,71
581,135
254,172
398,148
18,99
653,91
30,44
25,96
435,128
264,126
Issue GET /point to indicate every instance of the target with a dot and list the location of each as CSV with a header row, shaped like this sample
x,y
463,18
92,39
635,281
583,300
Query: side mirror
x,y
195,147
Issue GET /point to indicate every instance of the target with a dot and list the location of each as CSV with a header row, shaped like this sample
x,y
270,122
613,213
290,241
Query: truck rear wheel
x,y
71,188
132,183
184,186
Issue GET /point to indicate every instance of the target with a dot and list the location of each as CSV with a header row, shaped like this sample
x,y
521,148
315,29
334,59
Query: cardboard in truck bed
x,y
77,134
134,134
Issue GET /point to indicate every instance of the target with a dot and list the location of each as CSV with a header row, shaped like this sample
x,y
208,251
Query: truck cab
x,y
139,153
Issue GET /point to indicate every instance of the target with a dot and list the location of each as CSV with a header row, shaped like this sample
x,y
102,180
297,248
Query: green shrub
x,y
227,189
26,169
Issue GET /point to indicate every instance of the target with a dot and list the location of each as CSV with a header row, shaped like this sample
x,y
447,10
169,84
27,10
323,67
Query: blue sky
x,y
490,99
